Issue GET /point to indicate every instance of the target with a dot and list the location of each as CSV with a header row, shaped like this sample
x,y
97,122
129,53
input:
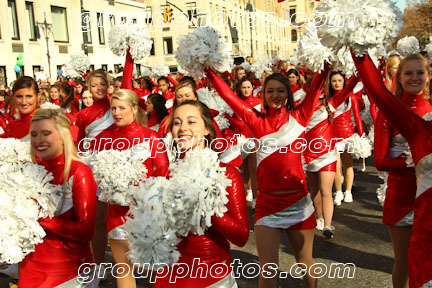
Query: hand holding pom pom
x,y
135,37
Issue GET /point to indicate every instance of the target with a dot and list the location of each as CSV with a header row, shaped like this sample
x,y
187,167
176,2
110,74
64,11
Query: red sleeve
x,y
84,206
304,111
161,130
240,107
383,133
127,72
356,112
236,124
158,151
234,225
172,81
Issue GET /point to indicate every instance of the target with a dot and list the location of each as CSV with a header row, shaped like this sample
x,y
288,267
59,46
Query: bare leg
x,y
316,197
125,276
99,241
347,163
338,176
326,179
400,238
267,241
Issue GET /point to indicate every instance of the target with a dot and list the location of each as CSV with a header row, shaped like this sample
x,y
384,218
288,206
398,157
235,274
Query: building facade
x,y
47,32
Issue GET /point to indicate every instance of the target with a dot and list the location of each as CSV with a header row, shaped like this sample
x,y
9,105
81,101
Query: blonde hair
x,y
416,56
63,127
392,60
132,100
96,73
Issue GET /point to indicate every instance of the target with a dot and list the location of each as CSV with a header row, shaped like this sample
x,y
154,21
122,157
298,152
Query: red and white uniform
x,y
279,166
213,247
298,94
254,102
389,155
169,97
92,121
418,133
130,137
319,153
19,128
342,126
67,244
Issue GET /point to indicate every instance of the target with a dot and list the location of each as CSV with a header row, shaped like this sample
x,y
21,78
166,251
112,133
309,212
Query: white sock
x,y
338,191
348,191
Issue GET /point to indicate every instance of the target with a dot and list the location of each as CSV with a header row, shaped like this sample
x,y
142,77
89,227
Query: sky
x,y
401,4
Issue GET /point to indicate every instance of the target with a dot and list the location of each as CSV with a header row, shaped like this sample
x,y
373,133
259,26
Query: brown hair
x,y
25,82
284,80
207,118
416,56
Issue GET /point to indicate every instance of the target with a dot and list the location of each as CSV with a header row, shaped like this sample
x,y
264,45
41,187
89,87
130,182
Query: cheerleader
x,y
87,99
321,157
283,201
130,120
156,111
25,93
193,130
54,94
412,78
342,128
297,86
390,72
245,91
57,260
91,122
164,88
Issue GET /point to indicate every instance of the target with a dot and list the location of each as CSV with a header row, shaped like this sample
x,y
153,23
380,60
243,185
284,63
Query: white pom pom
x,y
408,45
360,147
344,59
381,190
246,66
116,171
259,67
294,61
14,151
372,23
213,101
275,60
49,105
146,72
310,50
77,65
37,198
159,70
428,49
409,159
202,49
135,37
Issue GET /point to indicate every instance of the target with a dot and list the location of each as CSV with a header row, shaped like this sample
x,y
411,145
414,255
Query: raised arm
x,y
401,118
356,111
243,110
84,205
234,225
305,109
172,81
127,72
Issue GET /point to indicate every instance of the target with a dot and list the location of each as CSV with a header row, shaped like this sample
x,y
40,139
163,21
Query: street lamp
x,y
250,9
46,27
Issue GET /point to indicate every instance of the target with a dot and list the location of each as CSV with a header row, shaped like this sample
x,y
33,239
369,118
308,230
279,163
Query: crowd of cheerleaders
x,y
285,105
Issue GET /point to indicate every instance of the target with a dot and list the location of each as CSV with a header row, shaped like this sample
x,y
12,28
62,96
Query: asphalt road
x,y
360,238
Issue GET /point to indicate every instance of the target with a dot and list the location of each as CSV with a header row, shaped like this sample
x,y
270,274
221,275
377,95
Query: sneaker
x,y
320,224
11,271
348,197
253,203
249,195
328,232
338,198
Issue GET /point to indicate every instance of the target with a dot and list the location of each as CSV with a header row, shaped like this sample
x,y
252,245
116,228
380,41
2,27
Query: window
x,y
148,12
117,68
13,20
3,78
59,24
36,68
134,21
101,28
87,34
152,51
292,12
112,20
168,46
105,67
138,69
92,67
191,6
293,35
31,20
123,20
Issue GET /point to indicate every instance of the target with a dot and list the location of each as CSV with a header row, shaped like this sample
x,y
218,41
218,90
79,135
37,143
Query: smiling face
x,y
25,100
98,88
276,94
188,128
45,139
414,77
183,94
246,88
54,93
122,112
337,82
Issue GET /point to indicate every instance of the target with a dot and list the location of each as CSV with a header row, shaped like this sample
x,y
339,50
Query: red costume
x,y
67,244
298,93
213,247
131,136
320,154
19,128
279,165
342,123
418,133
